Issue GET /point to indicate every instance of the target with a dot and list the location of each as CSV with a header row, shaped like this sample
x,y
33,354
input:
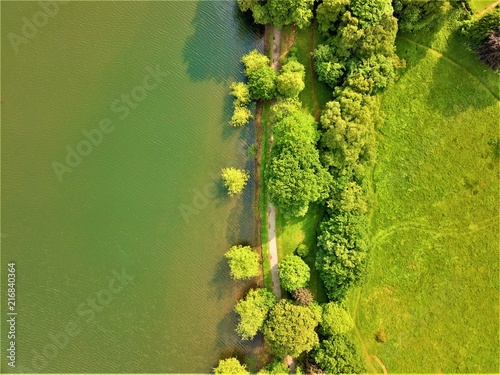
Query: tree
x,y
338,355
370,12
477,29
489,51
253,312
290,329
241,93
342,252
243,262
230,366
417,15
295,176
287,12
290,81
328,14
234,180
253,61
262,83
335,320
303,296
241,116
294,273
302,250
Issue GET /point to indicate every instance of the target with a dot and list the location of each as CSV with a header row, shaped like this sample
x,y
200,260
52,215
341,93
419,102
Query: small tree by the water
x,y
230,366
234,180
243,262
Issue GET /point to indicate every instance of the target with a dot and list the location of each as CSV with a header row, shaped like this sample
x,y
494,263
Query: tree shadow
x,y
222,34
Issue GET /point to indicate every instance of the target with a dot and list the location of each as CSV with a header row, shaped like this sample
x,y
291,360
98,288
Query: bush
x,y
243,262
241,116
381,336
302,250
230,366
234,180
335,320
294,273
241,93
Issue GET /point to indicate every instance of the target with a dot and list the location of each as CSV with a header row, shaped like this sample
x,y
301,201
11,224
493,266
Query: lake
x,y
114,131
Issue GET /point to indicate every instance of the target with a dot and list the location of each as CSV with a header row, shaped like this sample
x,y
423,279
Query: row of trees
x,y
358,61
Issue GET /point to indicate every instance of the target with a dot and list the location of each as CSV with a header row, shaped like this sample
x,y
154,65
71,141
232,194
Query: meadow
x,y
433,283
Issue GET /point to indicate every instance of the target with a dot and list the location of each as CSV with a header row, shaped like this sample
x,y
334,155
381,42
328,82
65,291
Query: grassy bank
x,y
433,283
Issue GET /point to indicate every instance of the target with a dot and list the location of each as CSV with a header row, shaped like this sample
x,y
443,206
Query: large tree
x,y
290,329
294,273
295,175
253,310
230,366
339,355
287,12
243,262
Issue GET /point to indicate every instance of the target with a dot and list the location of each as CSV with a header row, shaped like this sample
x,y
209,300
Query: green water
x,y
145,200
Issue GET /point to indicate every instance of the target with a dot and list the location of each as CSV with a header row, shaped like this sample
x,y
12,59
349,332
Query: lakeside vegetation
x,y
326,181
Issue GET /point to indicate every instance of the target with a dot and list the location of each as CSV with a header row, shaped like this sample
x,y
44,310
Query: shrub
x,y
241,116
381,336
234,180
335,320
302,250
230,366
294,273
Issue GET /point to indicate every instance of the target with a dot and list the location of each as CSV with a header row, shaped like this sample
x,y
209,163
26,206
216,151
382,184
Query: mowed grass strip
x,y
433,281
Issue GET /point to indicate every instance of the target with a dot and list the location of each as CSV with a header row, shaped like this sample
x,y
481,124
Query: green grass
x,y
433,280
479,5
290,233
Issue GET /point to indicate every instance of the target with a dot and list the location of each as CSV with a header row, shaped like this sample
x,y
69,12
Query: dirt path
x,y
271,210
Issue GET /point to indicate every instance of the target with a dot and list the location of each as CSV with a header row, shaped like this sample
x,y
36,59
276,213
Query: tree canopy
x,y
295,175
253,310
290,329
335,320
243,262
290,81
338,355
294,273
241,116
230,366
234,180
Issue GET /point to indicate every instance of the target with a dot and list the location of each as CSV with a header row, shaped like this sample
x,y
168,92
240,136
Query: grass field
x,y
479,5
433,282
